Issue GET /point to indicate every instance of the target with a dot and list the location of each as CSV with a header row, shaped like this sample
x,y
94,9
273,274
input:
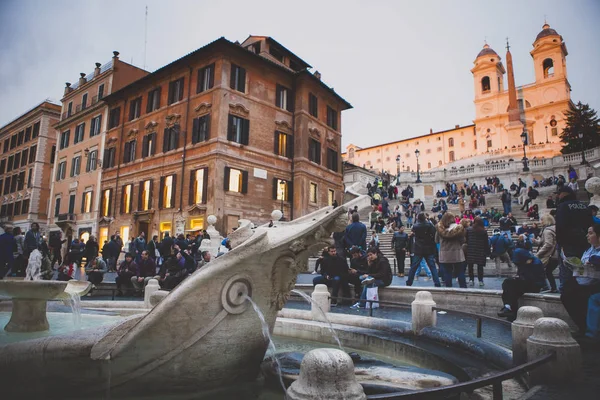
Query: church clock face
x,y
487,108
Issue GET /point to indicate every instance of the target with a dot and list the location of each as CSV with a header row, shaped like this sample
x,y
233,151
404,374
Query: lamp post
x,y
398,170
282,195
524,140
580,135
417,153
547,134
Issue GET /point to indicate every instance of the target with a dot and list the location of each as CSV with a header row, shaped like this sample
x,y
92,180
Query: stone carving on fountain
x,y
202,335
592,185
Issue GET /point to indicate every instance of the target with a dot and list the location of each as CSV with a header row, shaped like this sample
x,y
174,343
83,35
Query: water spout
x,y
75,303
267,335
315,304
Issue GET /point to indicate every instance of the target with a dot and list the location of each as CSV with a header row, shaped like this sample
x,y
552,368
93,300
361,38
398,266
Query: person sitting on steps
x,y
334,273
379,274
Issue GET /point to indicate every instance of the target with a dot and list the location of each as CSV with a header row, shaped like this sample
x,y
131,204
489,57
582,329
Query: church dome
x,y
487,51
546,31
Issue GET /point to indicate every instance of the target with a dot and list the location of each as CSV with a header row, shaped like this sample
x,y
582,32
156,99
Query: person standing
x,y
56,244
451,237
478,249
139,245
461,204
166,246
400,245
91,249
547,249
33,239
19,253
506,201
7,248
424,248
153,247
356,233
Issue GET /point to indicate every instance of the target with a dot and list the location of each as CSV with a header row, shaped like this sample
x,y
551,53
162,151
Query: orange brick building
x,y
234,130
28,147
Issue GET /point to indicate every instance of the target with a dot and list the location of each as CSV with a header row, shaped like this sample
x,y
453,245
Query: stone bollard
x,y
320,297
553,335
151,288
522,328
422,313
326,374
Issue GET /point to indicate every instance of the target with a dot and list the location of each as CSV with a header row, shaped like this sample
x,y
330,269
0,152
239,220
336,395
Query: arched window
x,y
451,142
428,165
451,156
485,84
440,162
548,66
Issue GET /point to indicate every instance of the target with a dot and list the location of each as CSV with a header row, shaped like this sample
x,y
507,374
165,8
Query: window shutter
x,y
131,199
245,131
150,207
232,76
290,146
149,102
290,191
276,141
165,141
211,82
227,173
153,149
195,130
161,190
181,82
290,101
99,124
205,185
157,96
230,128
126,155
82,202
110,202
82,130
122,199
242,80
171,87
140,192
176,137
207,132
244,181
277,95
174,191
275,188
318,153
72,167
145,146
191,188
199,80
132,110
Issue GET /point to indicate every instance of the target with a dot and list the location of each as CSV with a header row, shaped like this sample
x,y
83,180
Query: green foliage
x,y
580,119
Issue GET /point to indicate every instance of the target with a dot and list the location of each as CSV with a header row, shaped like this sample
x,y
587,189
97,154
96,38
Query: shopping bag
x,y
372,294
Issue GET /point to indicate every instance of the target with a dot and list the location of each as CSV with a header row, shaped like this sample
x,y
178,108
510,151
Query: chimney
x,y
115,54
68,88
97,70
317,74
430,131
82,79
456,126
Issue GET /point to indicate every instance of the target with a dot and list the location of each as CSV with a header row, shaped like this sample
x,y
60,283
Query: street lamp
x,y
547,134
524,140
282,194
580,134
417,153
398,170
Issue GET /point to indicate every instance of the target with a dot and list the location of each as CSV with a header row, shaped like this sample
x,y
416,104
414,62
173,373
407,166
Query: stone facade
x,y
540,108
208,144
25,184
79,136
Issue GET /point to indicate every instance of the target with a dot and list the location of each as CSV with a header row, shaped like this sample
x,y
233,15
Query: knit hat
x,y
521,256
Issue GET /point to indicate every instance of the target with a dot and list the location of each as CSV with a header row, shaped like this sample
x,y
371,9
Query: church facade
x,y
502,115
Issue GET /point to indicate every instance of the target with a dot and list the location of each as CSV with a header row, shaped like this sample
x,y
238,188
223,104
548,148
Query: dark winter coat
x,y
573,218
424,234
380,270
334,266
399,241
478,246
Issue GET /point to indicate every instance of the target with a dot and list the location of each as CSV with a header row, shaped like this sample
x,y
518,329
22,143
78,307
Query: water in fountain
x,y
75,303
314,304
267,335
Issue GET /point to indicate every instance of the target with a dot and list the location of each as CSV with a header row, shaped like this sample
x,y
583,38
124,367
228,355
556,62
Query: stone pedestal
x,y
326,374
28,315
553,335
592,185
320,297
151,288
422,313
215,237
522,328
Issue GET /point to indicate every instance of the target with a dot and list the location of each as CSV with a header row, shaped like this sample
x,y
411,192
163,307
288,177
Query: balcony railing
x,y
66,218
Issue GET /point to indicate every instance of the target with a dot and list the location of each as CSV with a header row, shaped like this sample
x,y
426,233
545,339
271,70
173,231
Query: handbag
x,y
372,294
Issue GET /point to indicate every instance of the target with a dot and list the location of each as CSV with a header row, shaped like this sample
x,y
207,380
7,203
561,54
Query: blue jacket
x,y
8,244
500,244
530,268
356,235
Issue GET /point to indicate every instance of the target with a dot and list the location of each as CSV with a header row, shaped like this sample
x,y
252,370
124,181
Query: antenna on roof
x,y
145,36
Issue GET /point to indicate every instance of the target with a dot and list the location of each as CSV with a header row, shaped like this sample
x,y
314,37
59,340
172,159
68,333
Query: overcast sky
x,y
403,65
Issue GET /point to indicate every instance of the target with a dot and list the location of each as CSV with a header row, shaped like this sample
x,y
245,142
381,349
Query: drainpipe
x,y
187,113
293,147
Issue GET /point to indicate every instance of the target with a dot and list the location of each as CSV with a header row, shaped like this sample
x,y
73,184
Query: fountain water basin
x,y
30,299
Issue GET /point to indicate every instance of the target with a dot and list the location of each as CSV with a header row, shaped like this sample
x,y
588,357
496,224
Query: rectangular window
x,y
554,132
475,144
332,119
7,185
126,199
176,91
13,183
53,154
95,126
6,144
70,109
76,166
17,161
149,145
153,100
9,209
451,156
281,190
32,154
13,141
206,78
109,158
2,166
1,181
135,108
36,130
92,161
100,95
171,138
313,105
489,143
27,134
236,180
79,133
145,196
114,117
21,181
20,138
283,98
198,186
71,203
64,139
314,151
30,178
17,208
167,191
284,144
332,160
201,129
86,202
129,153
25,207
24,157
61,171
312,194
11,161
238,129
330,197
106,202
84,101
238,78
